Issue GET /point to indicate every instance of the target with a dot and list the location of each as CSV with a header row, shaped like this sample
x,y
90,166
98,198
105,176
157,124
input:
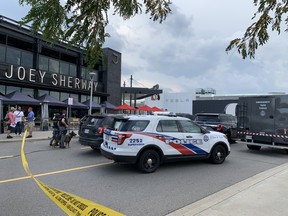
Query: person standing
x,y
10,122
30,121
55,133
18,114
63,125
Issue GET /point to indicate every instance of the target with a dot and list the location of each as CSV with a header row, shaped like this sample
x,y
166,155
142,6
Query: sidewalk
x,y
264,194
36,135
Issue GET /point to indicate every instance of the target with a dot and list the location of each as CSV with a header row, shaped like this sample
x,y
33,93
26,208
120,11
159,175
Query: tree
x,y
82,23
269,14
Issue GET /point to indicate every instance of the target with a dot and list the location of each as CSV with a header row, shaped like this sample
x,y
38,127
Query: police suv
x,y
151,140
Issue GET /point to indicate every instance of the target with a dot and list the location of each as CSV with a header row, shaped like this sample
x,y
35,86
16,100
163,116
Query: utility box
x,y
263,121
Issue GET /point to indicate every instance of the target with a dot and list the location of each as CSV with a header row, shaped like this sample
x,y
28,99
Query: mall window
x,y
73,70
64,68
55,94
21,44
96,99
2,53
64,96
2,39
27,59
74,96
28,91
84,72
13,56
10,89
84,98
2,89
43,63
42,92
53,65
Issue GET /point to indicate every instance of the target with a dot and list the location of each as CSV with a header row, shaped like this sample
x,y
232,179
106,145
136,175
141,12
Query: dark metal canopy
x,y
20,98
51,101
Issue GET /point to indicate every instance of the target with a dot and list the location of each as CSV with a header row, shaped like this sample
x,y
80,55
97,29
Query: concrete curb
x,y
218,198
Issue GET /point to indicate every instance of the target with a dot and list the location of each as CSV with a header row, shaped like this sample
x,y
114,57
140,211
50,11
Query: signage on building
x,y
52,79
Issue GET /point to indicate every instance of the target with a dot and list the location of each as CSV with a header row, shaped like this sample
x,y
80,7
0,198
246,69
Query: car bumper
x,y
118,158
95,142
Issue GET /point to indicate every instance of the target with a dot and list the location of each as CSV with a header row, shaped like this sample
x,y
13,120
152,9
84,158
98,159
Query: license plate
x,y
248,137
86,131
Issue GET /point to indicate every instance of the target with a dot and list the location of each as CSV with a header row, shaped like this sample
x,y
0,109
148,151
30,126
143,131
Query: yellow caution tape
x,y
69,203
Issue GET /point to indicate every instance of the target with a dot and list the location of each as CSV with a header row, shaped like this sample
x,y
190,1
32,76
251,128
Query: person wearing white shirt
x,y
18,114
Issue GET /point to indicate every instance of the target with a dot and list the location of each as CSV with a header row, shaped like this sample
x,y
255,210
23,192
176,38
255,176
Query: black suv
x,y
224,123
92,129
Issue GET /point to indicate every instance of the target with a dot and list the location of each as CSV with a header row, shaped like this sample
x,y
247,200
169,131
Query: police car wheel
x,y
149,161
218,154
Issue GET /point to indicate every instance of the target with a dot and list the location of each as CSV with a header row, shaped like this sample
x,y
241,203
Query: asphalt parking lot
x,y
86,173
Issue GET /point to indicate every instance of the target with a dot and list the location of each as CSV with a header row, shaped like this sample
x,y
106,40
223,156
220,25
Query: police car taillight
x,y
101,130
219,127
122,137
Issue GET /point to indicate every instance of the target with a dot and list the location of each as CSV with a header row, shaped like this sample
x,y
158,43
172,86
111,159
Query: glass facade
x,y
2,53
32,53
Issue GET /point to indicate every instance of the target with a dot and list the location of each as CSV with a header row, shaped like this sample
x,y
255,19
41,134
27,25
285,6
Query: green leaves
x,y
257,33
82,23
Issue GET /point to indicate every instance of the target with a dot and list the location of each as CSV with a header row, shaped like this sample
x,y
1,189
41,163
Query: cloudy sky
x,y
187,51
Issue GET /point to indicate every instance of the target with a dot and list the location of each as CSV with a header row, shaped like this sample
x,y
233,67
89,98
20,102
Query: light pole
x,y
92,75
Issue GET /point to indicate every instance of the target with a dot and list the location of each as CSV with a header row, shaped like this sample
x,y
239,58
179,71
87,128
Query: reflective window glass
x,y
12,89
2,53
13,56
74,96
2,89
53,65
42,92
64,68
27,59
64,96
73,70
55,94
28,91
83,98
43,63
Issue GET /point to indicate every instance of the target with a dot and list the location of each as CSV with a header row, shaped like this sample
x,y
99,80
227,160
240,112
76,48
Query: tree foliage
x,y
82,23
270,13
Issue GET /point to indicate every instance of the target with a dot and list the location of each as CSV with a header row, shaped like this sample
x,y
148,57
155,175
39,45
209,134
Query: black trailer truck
x,y
263,121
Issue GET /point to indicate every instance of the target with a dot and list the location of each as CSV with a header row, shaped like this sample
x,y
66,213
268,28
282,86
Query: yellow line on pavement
x,y
8,156
55,172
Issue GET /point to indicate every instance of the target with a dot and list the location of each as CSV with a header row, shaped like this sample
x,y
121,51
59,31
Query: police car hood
x,y
216,134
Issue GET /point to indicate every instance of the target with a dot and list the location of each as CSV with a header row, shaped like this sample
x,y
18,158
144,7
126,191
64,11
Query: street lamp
x,y
92,75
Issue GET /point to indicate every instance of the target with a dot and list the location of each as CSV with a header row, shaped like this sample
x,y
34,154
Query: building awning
x,y
20,98
51,101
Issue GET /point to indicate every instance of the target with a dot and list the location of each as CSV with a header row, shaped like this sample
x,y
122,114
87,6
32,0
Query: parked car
x,y
224,123
150,140
92,129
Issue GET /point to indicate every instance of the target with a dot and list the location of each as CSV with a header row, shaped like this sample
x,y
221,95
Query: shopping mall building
x,y
34,67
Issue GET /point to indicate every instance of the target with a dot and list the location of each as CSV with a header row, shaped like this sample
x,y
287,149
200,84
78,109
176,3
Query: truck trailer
x,y
263,121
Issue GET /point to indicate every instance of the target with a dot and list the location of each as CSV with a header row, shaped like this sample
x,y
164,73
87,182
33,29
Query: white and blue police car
x,y
149,140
